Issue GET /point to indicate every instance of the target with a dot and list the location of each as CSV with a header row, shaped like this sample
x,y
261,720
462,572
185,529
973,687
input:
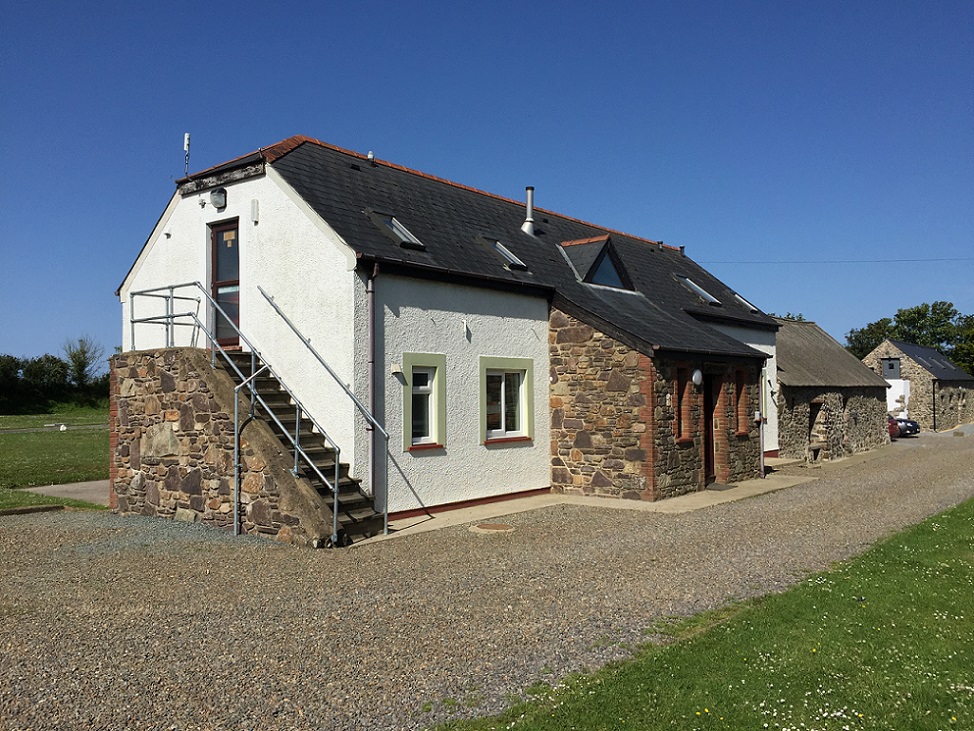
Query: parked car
x,y
907,426
894,428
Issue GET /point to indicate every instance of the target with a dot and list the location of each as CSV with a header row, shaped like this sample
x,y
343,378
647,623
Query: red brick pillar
x,y
647,440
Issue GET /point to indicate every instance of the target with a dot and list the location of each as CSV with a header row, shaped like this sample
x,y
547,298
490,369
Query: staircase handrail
x,y
170,320
307,342
369,416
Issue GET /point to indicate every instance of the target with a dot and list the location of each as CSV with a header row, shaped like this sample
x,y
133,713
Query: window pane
x,y
226,260
229,300
512,390
607,274
421,379
421,416
495,382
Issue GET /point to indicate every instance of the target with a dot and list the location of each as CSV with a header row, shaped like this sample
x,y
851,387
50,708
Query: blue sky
x,y
749,132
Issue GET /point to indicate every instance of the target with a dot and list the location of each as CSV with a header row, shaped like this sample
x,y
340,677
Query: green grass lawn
x,y
69,414
13,498
53,457
885,641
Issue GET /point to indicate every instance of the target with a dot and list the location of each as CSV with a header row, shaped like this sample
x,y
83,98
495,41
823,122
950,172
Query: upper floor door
x,y
226,281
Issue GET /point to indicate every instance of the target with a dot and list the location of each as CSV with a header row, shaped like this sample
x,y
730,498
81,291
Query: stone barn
x,y
925,385
829,404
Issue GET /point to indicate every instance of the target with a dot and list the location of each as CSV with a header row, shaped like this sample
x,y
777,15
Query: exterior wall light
x,y
697,377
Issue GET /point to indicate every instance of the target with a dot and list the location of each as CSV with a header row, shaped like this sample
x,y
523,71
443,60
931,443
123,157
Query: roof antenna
x,y
186,150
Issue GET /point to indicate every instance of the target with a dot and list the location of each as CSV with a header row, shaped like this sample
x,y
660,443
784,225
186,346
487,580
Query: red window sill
x,y
507,440
742,434
423,447
683,441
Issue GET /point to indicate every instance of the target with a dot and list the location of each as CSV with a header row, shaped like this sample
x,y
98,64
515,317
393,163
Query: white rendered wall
x,y
295,257
763,341
898,397
463,323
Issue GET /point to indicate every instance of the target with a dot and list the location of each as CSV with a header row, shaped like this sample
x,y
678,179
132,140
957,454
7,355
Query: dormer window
x,y
508,256
607,275
596,262
697,289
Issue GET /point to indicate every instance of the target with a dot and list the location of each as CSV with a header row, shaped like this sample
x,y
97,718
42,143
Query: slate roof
x,y
934,362
458,226
808,356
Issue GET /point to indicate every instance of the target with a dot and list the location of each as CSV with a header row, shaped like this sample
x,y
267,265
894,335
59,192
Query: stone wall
x,y
614,419
172,452
601,419
955,404
954,399
849,420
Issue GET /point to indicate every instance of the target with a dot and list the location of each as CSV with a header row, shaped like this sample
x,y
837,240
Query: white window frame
x,y
427,391
435,365
523,368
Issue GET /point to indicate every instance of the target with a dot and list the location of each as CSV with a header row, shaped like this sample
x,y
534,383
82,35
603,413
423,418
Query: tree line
x,y
33,385
939,325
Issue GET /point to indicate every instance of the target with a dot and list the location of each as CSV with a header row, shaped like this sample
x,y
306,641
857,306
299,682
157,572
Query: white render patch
x,y
764,341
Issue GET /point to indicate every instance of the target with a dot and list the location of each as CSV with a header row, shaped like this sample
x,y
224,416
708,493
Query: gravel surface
x,y
113,623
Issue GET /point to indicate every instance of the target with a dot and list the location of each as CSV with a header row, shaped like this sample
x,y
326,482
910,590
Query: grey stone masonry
x,y
620,429
945,404
816,423
173,445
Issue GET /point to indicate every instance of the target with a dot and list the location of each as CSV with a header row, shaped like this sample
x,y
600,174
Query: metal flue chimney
x,y
528,225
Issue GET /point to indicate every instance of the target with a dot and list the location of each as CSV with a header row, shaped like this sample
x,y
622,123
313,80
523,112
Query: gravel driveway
x,y
109,622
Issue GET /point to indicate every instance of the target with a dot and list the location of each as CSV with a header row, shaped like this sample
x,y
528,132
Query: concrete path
x,y
93,492
716,495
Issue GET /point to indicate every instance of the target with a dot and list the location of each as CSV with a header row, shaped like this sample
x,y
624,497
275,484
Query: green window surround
x,y
428,395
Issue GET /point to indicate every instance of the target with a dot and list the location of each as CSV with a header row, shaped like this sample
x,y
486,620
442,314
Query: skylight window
x,y
697,289
512,261
747,304
401,233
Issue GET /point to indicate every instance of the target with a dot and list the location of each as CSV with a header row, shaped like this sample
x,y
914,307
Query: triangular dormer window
x,y
596,262
606,273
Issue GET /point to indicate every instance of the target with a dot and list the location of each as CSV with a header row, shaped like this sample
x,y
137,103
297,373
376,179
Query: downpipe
x,y
373,467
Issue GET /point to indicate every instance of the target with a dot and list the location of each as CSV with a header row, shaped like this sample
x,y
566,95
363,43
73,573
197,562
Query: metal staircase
x,y
357,517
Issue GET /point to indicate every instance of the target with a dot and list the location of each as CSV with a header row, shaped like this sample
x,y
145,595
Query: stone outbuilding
x,y
829,404
925,385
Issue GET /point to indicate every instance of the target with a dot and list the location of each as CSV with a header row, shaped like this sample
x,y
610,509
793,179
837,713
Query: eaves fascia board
x,y
442,274
188,186
730,319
